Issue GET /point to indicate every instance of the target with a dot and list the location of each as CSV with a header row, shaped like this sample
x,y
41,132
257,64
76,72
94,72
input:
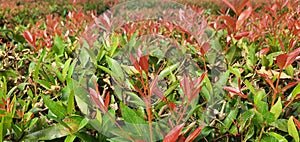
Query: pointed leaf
x,y
292,130
194,134
230,5
243,17
97,99
277,108
297,123
144,63
173,135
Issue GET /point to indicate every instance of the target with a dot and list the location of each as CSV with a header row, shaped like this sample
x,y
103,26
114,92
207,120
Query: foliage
x,y
41,100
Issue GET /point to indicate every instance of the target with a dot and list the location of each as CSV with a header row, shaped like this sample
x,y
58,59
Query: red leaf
x,y
134,62
204,48
285,60
29,38
281,61
289,85
281,44
185,85
230,5
235,91
194,134
144,63
244,15
107,100
263,51
241,35
297,123
173,135
241,7
292,44
96,98
232,89
229,21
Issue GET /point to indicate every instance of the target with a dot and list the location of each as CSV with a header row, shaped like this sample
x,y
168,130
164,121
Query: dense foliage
x,y
62,81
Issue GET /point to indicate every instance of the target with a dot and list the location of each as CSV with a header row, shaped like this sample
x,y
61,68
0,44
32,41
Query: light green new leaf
x,y
280,138
292,130
277,108
66,69
295,91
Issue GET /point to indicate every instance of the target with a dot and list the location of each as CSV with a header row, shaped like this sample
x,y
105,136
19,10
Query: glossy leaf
x,y
297,123
292,130
280,138
56,108
243,17
194,134
277,108
173,135
230,5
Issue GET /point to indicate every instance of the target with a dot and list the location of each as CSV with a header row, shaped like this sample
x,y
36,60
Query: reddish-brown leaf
x,y
281,61
241,35
285,60
281,44
29,38
185,85
297,123
134,62
241,7
263,51
229,21
243,17
144,63
292,43
232,89
204,48
173,135
194,134
96,98
107,100
288,86
230,5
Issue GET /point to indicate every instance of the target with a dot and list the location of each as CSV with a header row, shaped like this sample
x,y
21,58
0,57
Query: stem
x,y
148,105
276,88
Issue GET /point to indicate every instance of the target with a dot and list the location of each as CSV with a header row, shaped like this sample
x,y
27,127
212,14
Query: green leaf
x,y
280,124
295,91
45,84
48,133
70,138
130,116
56,71
116,69
66,69
56,108
235,71
58,46
277,108
292,130
83,123
245,119
168,70
277,136
250,87
250,133
289,70
233,53
71,103
258,97
71,68
262,107
230,118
